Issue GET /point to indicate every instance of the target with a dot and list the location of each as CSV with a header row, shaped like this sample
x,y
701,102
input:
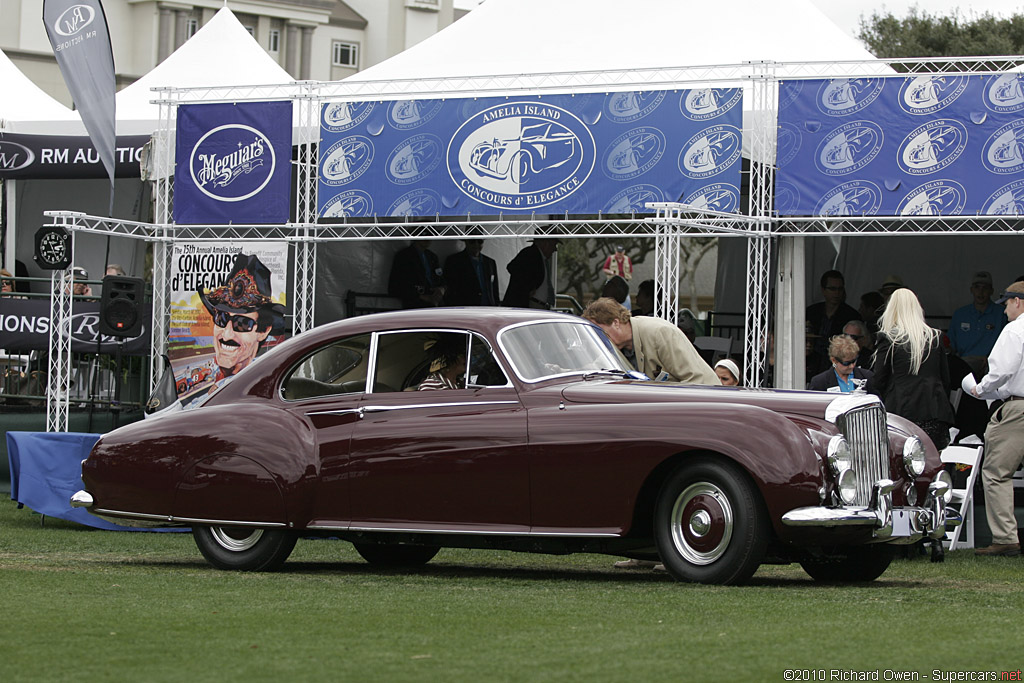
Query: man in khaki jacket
x,y
658,345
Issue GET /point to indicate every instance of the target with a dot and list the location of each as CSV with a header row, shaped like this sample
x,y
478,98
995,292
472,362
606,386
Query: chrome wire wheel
x,y
236,539
702,523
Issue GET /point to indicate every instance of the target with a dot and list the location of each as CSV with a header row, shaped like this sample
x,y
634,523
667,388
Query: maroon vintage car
x,y
545,444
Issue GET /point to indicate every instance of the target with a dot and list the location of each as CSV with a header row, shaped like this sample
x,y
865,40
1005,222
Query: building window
x,y
191,26
251,30
274,40
346,54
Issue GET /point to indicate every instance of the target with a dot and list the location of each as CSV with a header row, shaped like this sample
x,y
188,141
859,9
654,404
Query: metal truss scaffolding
x,y
671,221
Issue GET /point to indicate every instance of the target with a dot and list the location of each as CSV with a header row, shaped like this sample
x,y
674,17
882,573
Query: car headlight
x,y
945,478
913,457
839,456
846,484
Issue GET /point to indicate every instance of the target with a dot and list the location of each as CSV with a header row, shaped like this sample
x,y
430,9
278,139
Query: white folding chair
x,y
963,455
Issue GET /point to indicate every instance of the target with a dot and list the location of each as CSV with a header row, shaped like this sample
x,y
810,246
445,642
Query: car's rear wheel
x,y
396,555
244,548
848,564
710,523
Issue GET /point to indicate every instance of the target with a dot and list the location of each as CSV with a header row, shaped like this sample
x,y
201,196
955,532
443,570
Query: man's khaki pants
x,y
1004,451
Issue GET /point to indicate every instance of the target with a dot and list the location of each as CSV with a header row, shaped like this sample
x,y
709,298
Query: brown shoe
x,y
1000,549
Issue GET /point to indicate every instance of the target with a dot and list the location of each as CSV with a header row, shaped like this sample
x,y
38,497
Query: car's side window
x,y
339,368
421,360
484,370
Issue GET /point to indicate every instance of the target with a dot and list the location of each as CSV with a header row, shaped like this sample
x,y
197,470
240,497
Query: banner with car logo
x,y
579,154
233,163
925,145
77,30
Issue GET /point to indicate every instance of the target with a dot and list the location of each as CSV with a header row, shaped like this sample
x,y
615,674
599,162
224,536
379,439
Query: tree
x,y
580,262
921,34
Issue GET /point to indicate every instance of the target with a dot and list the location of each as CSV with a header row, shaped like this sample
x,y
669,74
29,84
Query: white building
x,y
311,39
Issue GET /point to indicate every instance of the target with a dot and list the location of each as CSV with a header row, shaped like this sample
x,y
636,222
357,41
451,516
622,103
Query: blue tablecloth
x,y
46,469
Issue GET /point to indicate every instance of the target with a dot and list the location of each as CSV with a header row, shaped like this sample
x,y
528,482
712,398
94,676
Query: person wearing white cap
x,y
728,372
1004,436
974,328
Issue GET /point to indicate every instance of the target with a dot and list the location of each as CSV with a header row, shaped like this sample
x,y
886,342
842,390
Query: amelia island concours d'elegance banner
x,y
213,286
552,154
926,145
233,163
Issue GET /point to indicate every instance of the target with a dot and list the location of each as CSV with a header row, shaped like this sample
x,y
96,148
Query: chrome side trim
x,y
131,515
171,519
225,522
452,404
473,532
343,411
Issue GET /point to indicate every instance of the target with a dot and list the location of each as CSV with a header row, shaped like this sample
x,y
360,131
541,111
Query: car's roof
x,y
486,319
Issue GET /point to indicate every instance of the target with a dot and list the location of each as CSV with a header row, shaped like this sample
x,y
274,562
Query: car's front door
x,y
439,459
325,390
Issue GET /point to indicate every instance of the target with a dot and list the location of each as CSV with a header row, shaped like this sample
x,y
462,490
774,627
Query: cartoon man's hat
x,y
246,290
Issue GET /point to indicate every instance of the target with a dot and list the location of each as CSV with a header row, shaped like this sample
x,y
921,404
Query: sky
x,y
847,13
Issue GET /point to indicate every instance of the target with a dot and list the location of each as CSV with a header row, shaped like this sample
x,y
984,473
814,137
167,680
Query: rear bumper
x,y
889,524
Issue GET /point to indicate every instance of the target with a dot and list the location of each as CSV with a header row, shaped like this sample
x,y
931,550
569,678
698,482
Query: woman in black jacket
x,y
911,372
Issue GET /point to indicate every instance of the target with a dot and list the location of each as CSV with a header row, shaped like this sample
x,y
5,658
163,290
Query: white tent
x,y
511,37
221,53
23,99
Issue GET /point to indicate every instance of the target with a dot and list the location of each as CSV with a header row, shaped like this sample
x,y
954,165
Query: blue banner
x,y
926,145
232,163
553,154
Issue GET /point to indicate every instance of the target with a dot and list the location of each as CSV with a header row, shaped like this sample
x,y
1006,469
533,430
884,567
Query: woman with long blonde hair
x,y
911,373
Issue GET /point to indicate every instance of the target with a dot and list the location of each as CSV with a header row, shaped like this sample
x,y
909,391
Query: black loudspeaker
x,y
121,306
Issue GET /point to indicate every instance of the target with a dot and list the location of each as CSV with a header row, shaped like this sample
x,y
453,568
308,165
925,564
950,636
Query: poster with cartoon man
x,y
227,305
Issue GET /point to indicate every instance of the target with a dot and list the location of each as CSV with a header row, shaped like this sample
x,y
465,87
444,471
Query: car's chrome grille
x,y
865,430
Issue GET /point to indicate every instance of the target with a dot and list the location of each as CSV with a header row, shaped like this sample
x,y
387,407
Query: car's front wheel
x,y
396,555
244,548
849,563
710,523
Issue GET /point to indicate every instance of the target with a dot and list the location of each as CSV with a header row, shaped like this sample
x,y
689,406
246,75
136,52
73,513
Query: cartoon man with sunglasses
x,y
244,314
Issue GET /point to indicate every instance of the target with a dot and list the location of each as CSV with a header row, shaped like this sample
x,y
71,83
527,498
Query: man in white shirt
x,y
1004,436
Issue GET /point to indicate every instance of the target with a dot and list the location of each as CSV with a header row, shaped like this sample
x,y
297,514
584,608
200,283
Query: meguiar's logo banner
x,y
578,154
233,163
926,145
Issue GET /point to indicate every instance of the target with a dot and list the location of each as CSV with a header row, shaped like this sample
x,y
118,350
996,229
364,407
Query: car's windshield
x,y
547,349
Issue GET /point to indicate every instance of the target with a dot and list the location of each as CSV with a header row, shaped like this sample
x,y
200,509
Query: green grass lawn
x,y
92,606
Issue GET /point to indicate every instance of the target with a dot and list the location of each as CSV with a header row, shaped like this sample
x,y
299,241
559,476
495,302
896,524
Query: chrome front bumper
x,y
894,525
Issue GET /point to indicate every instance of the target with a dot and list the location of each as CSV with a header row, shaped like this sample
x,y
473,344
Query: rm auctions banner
x,y
25,326
926,145
551,154
216,288
232,163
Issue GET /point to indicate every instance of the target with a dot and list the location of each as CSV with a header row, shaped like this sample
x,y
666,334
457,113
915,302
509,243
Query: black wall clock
x,y
53,248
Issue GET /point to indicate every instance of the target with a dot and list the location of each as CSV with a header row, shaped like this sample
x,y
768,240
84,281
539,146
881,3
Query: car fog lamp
x,y
911,495
847,486
913,456
839,456
945,478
